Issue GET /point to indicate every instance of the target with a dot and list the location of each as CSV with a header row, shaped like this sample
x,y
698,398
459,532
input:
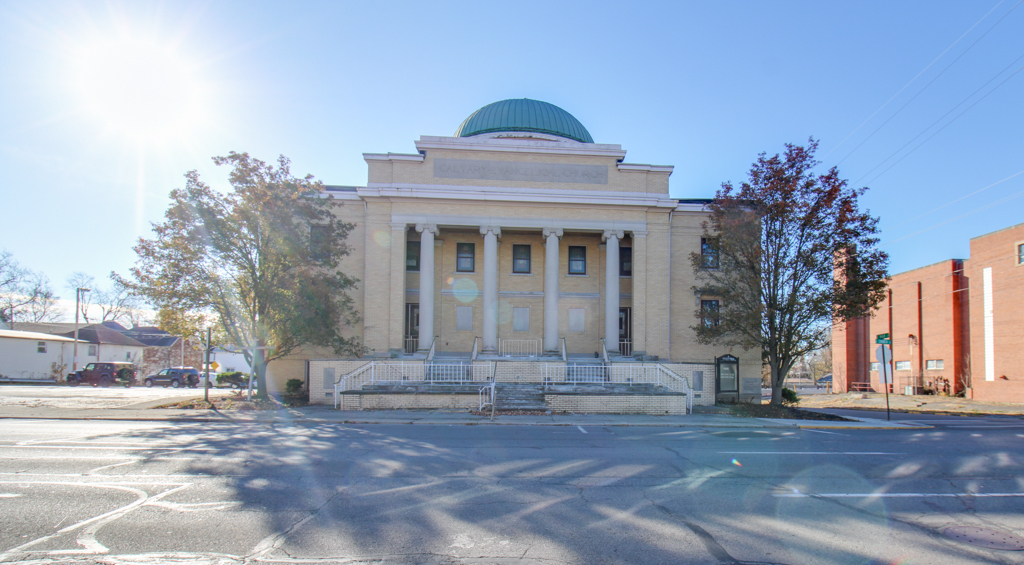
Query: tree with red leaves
x,y
787,254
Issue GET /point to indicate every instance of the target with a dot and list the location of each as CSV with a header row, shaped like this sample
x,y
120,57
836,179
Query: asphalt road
x,y
142,492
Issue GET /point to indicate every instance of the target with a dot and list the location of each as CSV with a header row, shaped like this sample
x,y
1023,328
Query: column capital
x,y
608,234
496,230
432,228
637,234
557,232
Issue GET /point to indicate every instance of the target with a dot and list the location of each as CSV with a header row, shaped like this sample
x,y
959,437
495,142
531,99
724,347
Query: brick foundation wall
x,y
610,404
454,402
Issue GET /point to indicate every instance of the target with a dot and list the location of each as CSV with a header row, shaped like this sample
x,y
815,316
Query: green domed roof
x,y
523,114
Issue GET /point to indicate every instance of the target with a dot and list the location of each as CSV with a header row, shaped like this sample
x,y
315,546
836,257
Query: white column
x,y
551,276
490,331
611,290
427,233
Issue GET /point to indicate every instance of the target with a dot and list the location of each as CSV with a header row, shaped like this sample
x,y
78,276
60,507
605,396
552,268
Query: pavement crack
x,y
710,543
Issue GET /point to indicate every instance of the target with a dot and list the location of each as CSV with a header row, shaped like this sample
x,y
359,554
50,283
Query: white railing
x,y
487,393
354,380
430,354
518,347
476,349
620,373
411,343
604,352
565,358
376,372
626,348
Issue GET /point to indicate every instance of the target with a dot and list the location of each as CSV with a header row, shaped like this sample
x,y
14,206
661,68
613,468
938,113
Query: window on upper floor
x,y
318,242
709,253
1020,253
41,347
521,259
625,261
934,364
412,256
466,260
710,313
577,260
903,365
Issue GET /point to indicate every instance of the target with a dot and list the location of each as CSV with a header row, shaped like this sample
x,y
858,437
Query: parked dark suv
x,y
176,377
104,374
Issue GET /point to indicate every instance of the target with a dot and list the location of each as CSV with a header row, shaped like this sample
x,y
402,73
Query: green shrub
x,y
293,387
232,378
789,396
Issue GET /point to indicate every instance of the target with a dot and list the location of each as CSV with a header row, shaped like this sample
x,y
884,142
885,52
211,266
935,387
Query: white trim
x,y
689,207
508,223
339,195
647,168
532,195
990,345
560,146
392,157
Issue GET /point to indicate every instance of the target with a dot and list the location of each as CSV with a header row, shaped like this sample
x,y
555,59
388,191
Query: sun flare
x,y
138,88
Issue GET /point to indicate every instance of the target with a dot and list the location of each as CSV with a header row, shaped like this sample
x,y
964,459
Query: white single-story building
x,y
33,356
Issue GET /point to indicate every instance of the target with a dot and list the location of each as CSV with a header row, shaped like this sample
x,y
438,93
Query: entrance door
x,y
412,327
626,331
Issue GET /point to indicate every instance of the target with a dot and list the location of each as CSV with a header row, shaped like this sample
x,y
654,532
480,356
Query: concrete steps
x,y
511,396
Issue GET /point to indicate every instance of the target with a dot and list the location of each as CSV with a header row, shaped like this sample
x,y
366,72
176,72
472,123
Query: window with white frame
x,y
466,257
933,364
521,259
903,365
577,260
41,347
874,367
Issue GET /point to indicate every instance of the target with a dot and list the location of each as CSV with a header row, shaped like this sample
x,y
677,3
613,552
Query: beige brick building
x,y
520,240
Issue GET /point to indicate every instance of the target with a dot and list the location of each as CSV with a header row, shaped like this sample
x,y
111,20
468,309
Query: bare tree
x,y
25,296
79,280
116,303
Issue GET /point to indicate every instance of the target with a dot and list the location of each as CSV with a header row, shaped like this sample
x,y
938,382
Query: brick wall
x,y
613,404
453,402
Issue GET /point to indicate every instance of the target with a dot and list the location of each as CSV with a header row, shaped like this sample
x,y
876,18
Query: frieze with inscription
x,y
518,171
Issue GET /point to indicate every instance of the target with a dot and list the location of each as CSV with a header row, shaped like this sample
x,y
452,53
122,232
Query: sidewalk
x,y
328,415
917,403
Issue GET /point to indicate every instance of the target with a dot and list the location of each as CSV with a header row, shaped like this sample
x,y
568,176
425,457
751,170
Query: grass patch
x,y
781,412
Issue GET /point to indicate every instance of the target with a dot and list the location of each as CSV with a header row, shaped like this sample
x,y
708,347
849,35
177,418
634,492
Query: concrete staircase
x,y
510,396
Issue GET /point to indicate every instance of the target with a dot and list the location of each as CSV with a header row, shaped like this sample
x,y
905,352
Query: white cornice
x,y
646,168
457,220
392,157
501,194
690,207
519,145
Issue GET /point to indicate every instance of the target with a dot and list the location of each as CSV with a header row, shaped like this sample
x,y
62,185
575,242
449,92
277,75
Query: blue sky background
x,y
701,86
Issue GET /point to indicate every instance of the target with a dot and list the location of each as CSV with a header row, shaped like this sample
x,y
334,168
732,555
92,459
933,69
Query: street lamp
x,y
78,294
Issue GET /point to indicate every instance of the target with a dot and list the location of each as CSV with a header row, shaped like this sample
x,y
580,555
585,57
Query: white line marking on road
x,y
824,432
901,495
581,429
10,495
810,453
129,462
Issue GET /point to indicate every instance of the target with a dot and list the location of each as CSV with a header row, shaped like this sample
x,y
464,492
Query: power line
x,y
971,95
957,200
975,211
947,125
918,75
907,103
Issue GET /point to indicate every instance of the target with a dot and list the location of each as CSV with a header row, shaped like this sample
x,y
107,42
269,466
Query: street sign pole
x,y
884,356
889,378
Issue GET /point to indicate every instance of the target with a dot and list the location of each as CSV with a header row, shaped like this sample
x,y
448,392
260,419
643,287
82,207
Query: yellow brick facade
x,y
405,194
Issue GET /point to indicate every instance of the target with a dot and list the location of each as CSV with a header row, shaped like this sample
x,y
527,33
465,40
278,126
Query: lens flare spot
x,y
382,238
465,290
449,281
737,463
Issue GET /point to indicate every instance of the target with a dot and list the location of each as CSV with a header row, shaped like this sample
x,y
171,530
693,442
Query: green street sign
x,y
884,341
882,336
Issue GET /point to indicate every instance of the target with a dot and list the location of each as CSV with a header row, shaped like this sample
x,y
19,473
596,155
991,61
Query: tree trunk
x,y
777,379
259,367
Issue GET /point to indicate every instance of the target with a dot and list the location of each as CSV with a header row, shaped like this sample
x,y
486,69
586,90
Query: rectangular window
x,y
466,260
41,347
709,313
1020,254
520,258
464,318
92,350
903,365
709,252
577,260
318,249
934,364
412,256
520,319
625,261
577,320
874,367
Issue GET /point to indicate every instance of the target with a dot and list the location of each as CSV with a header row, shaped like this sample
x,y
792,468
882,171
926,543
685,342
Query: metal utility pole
x,y
74,357
206,385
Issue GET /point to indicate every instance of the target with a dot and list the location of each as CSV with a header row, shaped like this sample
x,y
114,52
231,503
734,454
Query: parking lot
x,y
63,396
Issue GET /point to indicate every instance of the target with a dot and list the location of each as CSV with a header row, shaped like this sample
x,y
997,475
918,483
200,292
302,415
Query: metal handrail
x,y
604,352
476,349
430,354
680,383
518,347
342,383
626,348
565,358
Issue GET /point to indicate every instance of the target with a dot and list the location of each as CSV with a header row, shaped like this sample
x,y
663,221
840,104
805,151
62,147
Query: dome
x,y
523,114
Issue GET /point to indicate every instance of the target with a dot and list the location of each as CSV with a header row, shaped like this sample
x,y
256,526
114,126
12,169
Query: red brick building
x,y
956,326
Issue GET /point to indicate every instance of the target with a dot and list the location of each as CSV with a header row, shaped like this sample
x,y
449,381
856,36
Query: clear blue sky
x,y
106,105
